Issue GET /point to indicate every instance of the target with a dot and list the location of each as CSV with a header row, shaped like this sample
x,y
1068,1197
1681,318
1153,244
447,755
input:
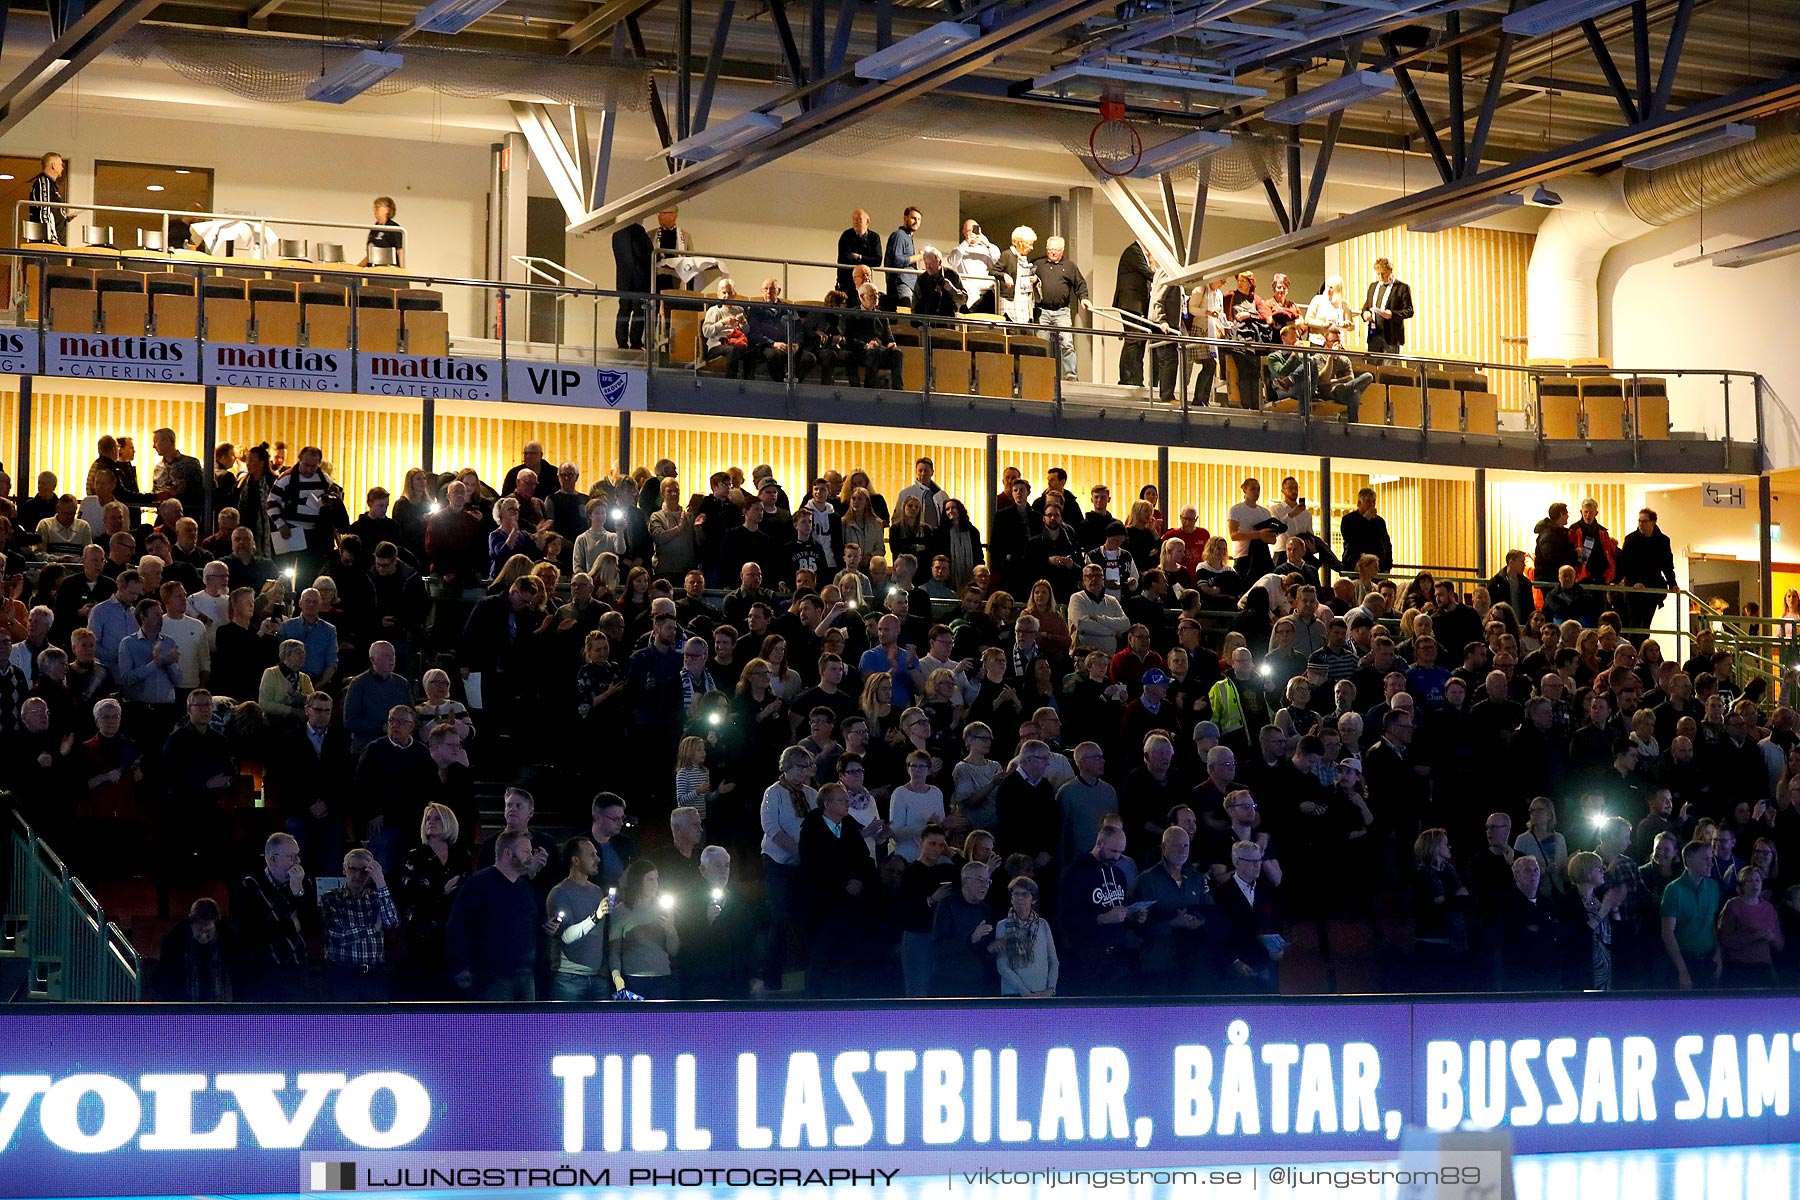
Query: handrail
x,y
169,213
693,300
55,923
530,261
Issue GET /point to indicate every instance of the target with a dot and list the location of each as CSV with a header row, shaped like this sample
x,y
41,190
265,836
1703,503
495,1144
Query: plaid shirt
x,y
1638,900
353,925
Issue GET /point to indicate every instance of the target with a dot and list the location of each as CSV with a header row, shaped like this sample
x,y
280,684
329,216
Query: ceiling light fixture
x,y
353,76
1328,98
453,16
1551,16
153,187
721,136
1178,152
1693,147
1450,218
1751,253
922,49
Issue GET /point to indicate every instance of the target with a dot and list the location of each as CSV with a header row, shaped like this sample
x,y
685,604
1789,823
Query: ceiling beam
x,y
1599,151
1010,31
79,43
592,29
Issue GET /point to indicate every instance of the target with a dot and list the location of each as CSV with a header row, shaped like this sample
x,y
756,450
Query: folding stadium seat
x,y
377,320
325,314
226,308
275,309
423,321
71,298
173,312
124,305
1602,407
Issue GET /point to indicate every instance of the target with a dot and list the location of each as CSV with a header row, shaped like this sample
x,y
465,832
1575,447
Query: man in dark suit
x,y
1131,292
1247,902
631,259
1387,308
310,786
838,880
497,644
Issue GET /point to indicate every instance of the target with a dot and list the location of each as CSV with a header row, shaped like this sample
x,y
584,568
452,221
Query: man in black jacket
x,y
1054,556
939,291
1387,308
1365,531
309,783
838,881
858,246
491,936
871,343
1645,561
274,911
497,644
1131,292
768,330
1511,587
1013,527
631,260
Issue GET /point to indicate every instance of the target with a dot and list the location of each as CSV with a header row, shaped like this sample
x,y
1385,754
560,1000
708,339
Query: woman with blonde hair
x,y
1141,536
859,478
863,526
424,890
1330,309
1053,630
1017,277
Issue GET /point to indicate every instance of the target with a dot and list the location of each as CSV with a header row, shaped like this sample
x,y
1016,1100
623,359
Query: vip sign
x,y
285,368
118,356
19,352
577,386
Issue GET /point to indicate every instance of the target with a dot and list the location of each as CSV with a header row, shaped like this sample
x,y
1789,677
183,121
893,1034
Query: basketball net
x,y
1114,145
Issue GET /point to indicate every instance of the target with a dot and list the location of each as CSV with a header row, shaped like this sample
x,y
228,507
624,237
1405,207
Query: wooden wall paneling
x,y
959,470
1516,506
492,445
65,426
363,449
1469,294
699,450
9,445
1122,474
1213,487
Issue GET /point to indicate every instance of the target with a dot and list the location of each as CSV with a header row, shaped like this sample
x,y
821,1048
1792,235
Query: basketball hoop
x,y
1114,144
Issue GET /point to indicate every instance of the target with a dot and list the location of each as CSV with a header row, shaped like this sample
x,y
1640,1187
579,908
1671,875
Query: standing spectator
x,y
641,940
371,696
308,783
1024,950
580,909
1131,293
900,253
837,879
357,916
306,512
1365,531
1646,561
194,964
1183,925
1532,935
45,193
718,938
1093,916
963,963
1690,911
275,912
1253,941
429,878
317,635
927,882
1749,934
391,774
491,936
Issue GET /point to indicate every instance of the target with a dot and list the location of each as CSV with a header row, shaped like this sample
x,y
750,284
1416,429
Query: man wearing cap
x,y
1149,713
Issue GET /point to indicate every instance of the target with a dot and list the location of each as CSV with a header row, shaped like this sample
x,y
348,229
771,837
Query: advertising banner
x,y
425,376
286,368
135,1100
122,356
19,352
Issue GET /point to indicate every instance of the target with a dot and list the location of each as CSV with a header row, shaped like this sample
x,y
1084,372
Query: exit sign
x,y
1721,495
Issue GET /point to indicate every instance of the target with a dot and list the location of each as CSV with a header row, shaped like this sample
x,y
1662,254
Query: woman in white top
x,y
784,681
784,807
439,706
1329,310
1541,841
596,539
913,805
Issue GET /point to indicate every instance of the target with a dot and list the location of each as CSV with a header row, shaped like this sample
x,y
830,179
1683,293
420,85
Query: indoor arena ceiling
x,y
1461,95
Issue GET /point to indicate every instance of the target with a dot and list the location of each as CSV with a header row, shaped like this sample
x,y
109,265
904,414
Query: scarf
x,y
1021,947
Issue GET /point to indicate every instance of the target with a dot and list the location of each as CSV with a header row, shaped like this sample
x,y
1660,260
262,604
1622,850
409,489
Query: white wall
x,y
1656,315
441,188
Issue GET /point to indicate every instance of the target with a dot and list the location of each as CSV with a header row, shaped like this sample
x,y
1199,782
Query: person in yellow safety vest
x,y
1236,702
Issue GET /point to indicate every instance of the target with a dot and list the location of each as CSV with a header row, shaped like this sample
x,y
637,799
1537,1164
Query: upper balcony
x,y
967,374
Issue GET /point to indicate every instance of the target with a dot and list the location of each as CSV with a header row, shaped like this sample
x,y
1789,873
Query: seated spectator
x,y
194,964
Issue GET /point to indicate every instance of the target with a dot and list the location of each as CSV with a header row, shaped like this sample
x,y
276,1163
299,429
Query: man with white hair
x,y
871,342
1061,289
318,635
532,457
939,291
679,862
718,937
274,911
369,697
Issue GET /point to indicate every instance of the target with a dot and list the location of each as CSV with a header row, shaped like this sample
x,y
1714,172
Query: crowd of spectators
x,y
1082,753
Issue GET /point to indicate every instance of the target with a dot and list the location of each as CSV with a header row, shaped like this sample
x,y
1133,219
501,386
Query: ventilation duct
x,y
1599,214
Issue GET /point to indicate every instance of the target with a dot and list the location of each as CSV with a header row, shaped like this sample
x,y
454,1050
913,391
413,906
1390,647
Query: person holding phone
x,y
1291,511
575,913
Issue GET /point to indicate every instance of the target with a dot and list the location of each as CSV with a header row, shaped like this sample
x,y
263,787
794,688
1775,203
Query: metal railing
x,y
1304,401
55,925
168,215
540,267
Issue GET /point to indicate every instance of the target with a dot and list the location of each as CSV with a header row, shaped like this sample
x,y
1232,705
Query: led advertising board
x,y
133,1100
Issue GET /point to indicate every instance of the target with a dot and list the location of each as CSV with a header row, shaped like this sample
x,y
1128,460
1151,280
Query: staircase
x,y
55,941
